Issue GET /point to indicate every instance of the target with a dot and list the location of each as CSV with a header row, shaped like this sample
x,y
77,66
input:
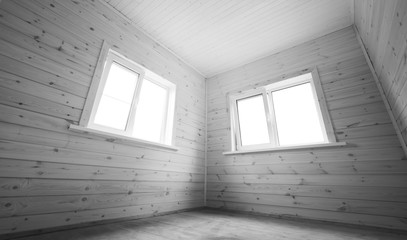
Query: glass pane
x,y
114,106
297,116
252,121
151,112
112,113
120,83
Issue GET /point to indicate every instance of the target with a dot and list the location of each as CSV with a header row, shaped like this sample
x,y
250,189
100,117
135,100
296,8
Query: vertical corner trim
x,y
382,94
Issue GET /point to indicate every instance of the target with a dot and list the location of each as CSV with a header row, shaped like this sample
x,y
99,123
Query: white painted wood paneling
x,y
53,177
383,29
215,36
361,183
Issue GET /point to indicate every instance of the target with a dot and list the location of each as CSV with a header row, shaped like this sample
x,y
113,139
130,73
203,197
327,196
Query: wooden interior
x,y
360,183
211,224
207,33
52,177
382,27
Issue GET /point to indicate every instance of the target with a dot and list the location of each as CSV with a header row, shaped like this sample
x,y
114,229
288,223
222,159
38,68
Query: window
x,y
128,100
284,114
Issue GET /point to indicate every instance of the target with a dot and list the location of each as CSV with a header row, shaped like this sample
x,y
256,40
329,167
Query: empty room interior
x,y
203,119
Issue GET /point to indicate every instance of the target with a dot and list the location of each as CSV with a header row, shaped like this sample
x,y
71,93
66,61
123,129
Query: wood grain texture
x,y
382,26
52,177
216,36
344,184
212,224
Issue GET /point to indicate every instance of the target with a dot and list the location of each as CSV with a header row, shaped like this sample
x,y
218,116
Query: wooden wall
x,y
50,176
382,25
362,183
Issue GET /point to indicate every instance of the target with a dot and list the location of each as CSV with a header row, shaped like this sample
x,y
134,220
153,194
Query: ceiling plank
x,y
215,36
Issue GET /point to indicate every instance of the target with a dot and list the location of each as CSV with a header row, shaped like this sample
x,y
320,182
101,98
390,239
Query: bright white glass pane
x,y
114,106
121,83
151,112
297,116
112,113
252,121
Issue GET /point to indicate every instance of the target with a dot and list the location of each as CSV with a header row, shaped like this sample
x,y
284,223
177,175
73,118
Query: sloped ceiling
x,y
214,36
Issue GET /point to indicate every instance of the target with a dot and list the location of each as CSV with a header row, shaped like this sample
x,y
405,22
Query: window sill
x,y
323,145
116,138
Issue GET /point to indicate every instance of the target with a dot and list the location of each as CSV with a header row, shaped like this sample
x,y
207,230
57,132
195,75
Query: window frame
x,y
114,57
266,91
86,123
168,121
235,116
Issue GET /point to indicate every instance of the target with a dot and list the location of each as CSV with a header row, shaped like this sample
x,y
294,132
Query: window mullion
x,y
272,121
133,108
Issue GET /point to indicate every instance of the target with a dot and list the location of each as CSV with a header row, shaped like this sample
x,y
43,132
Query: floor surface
x,y
216,225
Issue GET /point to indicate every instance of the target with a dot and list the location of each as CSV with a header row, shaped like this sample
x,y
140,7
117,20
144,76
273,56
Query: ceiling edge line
x,y
149,36
273,53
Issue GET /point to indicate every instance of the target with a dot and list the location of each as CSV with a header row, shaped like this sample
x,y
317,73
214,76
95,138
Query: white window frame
x,y
87,124
235,115
168,120
114,57
266,91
